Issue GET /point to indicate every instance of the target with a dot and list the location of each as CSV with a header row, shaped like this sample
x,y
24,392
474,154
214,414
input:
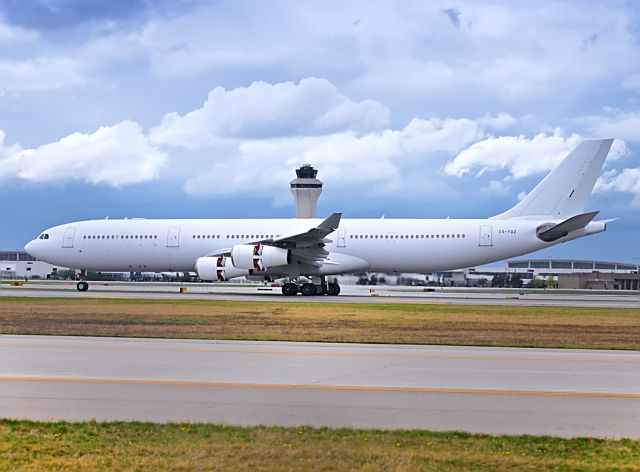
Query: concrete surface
x,y
350,294
488,390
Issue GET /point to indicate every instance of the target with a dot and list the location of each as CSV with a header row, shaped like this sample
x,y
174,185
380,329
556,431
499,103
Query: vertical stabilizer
x,y
565,191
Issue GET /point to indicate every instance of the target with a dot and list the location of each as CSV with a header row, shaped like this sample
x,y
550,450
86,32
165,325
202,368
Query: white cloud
x,y
496,187
499,122
376,163
520,155
626,180
616,124
114,155
264,110
11,35
42,73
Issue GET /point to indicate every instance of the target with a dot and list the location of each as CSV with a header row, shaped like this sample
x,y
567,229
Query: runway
x,y
350,294
485,390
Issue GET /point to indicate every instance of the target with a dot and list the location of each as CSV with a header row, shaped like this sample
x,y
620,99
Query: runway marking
x,y
331,354
321,387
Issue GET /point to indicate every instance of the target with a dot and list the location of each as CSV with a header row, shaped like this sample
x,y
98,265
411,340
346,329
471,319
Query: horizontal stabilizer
x,y
562,229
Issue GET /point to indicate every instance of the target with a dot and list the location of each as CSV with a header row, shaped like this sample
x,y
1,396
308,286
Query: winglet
x,y
331,223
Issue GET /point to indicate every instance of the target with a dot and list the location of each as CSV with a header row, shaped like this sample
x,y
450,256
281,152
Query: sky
x,y
203,109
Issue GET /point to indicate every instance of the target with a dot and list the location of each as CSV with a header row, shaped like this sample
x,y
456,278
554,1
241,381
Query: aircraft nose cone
x,y
30,248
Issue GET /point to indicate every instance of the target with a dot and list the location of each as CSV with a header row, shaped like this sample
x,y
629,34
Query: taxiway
x,y
350,294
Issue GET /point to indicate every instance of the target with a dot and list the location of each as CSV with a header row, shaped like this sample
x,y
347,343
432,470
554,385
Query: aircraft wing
x,y
310,237
306,246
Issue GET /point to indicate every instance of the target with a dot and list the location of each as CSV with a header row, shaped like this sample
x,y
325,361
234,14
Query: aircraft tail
x,y
564,192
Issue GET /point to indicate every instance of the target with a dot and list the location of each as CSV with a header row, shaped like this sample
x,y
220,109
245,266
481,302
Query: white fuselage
x,y
402,245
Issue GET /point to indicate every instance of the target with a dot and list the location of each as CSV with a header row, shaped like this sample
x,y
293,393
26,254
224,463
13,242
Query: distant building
x,y
561,266
306,190
600,281
604,275
19,264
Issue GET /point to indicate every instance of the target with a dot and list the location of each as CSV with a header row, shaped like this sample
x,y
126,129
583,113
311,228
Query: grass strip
x,y
410,323
27,445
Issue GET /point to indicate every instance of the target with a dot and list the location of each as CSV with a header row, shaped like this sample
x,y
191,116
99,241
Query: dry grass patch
x,y
604,328
26,445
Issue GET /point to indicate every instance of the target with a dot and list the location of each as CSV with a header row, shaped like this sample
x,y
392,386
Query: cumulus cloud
x,y
114,155
248,139
42,73
520,155
377,162
496,187
262,110
499,122
626,180
616,123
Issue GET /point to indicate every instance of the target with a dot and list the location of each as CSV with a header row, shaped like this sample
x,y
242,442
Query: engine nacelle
x,y
218,268
259,257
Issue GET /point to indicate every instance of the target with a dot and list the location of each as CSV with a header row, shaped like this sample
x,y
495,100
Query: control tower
x,y
306,189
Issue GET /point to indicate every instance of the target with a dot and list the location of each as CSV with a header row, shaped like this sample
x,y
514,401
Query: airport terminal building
x,y
20,265
581,274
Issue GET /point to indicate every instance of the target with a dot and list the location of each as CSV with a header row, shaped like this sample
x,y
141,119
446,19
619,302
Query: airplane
x,y
268,249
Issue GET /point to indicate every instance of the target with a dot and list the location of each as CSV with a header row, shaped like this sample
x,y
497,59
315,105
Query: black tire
x,y
82,286
309,290
333,289
290,289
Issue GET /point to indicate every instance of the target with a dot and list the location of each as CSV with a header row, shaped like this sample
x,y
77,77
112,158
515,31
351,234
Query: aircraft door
x,y
342,236
173,236
67,240
486,235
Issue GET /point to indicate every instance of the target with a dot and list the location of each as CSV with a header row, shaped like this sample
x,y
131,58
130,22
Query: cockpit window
x,y
43,236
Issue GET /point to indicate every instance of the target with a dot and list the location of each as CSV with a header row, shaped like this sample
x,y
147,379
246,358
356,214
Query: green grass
x,y
26,445
409,323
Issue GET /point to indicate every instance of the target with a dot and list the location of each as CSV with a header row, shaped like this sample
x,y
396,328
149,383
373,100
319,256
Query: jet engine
x,y
259,257
218,268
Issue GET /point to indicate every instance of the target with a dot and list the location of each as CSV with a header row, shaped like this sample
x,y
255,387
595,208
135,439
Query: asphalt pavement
x,y
477,389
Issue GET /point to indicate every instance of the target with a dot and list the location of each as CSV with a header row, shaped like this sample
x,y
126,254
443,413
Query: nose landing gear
x,y
82,286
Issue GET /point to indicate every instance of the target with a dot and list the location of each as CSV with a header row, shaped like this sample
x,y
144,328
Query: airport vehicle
x,y
221,249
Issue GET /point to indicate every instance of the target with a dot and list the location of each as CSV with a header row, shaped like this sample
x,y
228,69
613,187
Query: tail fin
x,y
564,192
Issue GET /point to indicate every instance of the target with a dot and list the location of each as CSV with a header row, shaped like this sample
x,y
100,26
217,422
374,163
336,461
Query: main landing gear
x,y
309,289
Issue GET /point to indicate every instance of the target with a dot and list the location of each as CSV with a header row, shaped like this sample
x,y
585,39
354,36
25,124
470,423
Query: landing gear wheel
x,y
309,290
290,289
333,289
82,286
